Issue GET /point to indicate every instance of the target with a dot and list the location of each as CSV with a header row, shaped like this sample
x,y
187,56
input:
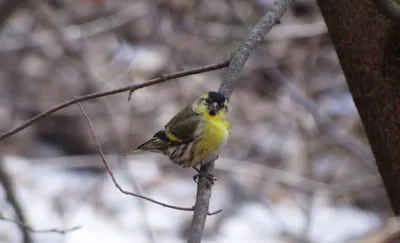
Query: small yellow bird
x,y
195,135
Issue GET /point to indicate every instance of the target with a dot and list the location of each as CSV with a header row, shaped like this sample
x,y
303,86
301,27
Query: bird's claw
x,y
208,176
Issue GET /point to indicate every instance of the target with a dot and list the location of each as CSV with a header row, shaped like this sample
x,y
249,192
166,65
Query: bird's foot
x,y
208,176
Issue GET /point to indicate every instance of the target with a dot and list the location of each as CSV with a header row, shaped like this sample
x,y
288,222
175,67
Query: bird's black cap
x,y
217,97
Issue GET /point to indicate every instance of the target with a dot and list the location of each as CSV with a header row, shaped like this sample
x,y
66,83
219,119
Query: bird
x,y
195,135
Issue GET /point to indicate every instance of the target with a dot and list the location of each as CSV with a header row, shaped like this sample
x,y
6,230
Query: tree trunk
x,y
368,47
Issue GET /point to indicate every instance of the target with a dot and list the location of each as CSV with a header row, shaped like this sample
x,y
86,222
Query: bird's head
x,y
211,105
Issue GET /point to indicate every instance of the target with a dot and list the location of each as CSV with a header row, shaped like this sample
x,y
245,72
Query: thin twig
x,y
240,56
236,63
30,229
112,174
8,186
115,181
360,152
162,78
74,32
278,33
144,211
250,169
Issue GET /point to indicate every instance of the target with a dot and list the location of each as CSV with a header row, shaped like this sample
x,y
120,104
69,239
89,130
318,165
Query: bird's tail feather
x,y
155,145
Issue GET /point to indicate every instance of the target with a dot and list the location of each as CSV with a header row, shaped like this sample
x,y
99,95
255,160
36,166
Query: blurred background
x,y
297,168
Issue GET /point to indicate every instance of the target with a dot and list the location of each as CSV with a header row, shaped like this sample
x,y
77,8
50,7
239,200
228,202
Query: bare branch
x,y
236,64
256,35
8,185
134,87
30,229
360,152
143,209
298,182
115,181
75,32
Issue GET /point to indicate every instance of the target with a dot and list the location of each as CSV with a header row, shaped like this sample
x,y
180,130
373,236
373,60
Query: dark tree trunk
x,y
368,46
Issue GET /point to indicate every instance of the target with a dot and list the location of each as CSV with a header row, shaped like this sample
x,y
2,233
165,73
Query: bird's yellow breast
x,y
215,135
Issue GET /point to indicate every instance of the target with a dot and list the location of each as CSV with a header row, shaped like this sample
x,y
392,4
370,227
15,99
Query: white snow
x,y
107,215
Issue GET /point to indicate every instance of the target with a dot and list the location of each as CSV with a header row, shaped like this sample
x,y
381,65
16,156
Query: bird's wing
x,y
184,114
154,144
181,128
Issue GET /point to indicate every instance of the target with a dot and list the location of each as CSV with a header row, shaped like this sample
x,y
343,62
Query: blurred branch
x,y
74,32
30,229
43,10
113,177
8,186
236,64
7,9
245,169
283,31
73,54
162,78
145,217
324,124
302,30
298,182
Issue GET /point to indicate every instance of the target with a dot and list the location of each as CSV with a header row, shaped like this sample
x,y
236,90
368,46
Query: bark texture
x,y
368,47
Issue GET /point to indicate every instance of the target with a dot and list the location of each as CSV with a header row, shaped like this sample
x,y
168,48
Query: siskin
x,y
195,135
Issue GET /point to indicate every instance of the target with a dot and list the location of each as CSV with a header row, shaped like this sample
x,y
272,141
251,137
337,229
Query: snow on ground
x,y
55,198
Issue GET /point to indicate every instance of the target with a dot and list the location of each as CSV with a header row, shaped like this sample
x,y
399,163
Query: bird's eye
x,y
209,101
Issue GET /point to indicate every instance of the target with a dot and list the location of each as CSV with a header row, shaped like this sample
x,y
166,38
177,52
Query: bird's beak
x,y
214,108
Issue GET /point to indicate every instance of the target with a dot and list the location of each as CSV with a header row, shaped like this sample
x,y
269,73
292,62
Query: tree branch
x,y
162,78
30,229
8,186
115,181
363,156
236,64
256,35
73,32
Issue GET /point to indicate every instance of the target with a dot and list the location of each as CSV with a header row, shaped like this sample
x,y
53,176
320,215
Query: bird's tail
x,y
157,144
